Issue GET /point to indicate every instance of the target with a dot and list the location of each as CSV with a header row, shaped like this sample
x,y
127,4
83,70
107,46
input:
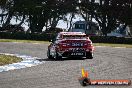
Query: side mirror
x,y
51,40
87,35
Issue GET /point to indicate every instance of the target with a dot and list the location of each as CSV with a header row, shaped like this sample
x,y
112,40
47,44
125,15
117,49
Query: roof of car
x,y
72,33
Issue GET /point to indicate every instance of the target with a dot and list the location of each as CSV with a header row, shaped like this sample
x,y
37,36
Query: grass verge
x,y
95,44
23,41
7,59
113,45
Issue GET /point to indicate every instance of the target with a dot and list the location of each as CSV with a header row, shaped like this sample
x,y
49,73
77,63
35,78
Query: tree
x,y
123,11
107,13
47,13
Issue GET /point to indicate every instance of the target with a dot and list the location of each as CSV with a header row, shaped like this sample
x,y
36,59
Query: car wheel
x,y
57,57
48,55
89,55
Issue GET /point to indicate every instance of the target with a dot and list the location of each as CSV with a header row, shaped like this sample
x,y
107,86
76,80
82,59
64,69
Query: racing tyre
x,y
89,55
57,57
48,55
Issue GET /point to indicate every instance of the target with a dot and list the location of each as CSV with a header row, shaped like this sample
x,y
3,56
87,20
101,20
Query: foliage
x,y
46,13
108,13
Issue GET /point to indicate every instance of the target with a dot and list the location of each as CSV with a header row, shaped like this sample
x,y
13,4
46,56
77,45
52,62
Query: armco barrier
x,y
111,39
26,36
47,37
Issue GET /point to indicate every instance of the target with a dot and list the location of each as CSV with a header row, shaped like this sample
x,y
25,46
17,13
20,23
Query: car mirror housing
x,y
51,40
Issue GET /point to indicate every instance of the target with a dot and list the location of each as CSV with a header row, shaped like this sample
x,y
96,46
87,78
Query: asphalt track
x,y
108,63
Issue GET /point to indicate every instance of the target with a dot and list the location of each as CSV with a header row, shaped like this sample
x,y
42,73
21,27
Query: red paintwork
x,y
63,44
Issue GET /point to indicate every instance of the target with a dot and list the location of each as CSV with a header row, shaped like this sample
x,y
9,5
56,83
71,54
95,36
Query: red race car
x,y
70,44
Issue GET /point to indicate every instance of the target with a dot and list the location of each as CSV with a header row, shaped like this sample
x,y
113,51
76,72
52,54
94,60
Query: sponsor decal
x,y
85,80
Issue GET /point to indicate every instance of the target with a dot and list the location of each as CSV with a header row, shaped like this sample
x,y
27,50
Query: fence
x,y
47,37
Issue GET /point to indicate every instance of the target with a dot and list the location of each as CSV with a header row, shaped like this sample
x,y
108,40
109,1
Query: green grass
x,y
23,41
95,44
7,59
113,45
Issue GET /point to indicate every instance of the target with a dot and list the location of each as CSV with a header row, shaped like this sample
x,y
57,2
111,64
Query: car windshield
x,y
74,37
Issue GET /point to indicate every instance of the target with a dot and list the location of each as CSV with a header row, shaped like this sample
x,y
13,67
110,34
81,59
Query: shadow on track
x,y
64,59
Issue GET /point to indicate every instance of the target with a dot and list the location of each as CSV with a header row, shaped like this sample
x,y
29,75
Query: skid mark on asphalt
x,y
27,61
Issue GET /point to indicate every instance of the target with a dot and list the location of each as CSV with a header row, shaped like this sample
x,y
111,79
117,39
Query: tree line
x,y
46,13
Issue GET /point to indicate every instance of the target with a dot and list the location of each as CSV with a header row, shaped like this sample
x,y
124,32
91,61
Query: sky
x,y
61,24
